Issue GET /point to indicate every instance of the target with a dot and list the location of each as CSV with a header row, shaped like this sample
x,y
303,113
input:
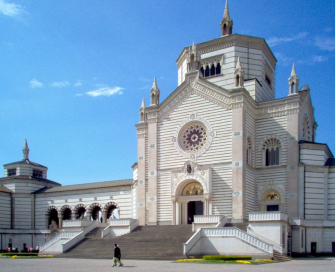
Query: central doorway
x,y
194,208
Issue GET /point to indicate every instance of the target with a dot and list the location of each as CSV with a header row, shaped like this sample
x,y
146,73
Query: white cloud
x,y
325,43
319,58
283,60
273,41
34,83
105,91
78,84
60,84
10,9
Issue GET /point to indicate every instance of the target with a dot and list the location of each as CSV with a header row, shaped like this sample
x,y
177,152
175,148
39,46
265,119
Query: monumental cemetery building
x,y
220,149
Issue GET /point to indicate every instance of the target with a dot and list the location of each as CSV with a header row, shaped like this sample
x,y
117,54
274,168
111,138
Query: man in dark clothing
x,y
117,256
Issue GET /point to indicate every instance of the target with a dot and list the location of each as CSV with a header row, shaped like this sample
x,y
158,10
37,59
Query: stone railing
x,y
312,223
61,235
235,232
276,246
118,227
207,218
267,216
208,221
228,232
76,223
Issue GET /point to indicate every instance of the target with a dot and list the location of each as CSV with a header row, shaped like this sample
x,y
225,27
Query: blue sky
x,y
73,73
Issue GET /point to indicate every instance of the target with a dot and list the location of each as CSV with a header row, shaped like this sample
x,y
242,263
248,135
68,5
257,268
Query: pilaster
x,y
152,168
141,139
293,165
238,163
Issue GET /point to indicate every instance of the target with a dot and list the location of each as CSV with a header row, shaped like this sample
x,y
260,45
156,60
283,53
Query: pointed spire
x,y
226,12
154,84
293,82
293,73
238,64
154,94
226,23
143,104
25,151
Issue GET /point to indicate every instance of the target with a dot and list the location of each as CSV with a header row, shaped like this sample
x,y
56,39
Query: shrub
x,y
19,254
226,258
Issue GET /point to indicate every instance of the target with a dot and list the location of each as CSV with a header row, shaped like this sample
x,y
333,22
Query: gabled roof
x,y
24,177
27,162
95,185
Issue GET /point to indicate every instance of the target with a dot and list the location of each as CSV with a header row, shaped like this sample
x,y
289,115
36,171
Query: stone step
x,y
148,243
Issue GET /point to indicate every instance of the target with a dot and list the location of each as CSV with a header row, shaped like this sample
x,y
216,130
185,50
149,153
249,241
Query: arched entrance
x,y
189,201
79,212
108,211
94,212
52,218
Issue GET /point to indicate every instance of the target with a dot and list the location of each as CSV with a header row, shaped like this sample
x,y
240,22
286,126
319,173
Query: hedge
x,y
19,254
226,258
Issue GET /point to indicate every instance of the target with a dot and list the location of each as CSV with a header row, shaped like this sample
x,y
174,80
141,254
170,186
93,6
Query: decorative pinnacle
x,y
143,104
238,64
25,151
154,85
226,12
293,73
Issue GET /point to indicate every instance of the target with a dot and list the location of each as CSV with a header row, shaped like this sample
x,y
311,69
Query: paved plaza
x,y
89,265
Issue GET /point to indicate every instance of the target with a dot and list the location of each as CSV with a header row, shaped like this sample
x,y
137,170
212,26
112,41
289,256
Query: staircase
x,y
144,243
280,257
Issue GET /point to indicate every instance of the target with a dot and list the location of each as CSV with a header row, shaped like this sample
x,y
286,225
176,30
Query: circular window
x,y
193,137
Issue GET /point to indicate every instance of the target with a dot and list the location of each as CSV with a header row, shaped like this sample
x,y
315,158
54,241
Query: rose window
x,y
193,138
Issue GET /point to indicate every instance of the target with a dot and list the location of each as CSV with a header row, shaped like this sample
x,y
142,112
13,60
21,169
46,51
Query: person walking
x,y
117,256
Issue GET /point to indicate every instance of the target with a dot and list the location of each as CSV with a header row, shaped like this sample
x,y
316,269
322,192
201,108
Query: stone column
x,y
104,217
178,213
89,215
60,222
238,161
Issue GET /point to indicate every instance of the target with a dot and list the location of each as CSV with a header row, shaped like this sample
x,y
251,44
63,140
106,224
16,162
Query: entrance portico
x,y
190,194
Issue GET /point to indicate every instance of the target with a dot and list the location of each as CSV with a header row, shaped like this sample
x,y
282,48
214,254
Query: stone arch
x,y
66,212
267,189
181,183
79,211
109,208
52,218
94,211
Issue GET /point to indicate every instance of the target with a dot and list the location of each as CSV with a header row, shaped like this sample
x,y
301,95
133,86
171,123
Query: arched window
x,y
202,71
271,152
237,81
207,71
213,70
218,69
249,152
224,29
292,88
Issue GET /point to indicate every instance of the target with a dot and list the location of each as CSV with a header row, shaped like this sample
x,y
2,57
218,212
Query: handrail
x,y
235,232
276,246
192,241
207,218
60,235
312,223
267,216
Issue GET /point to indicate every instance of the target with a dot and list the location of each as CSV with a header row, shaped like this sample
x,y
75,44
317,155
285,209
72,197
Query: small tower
x,y
293,82
154,94
25,151
226,23
192,59
142,112
239,74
